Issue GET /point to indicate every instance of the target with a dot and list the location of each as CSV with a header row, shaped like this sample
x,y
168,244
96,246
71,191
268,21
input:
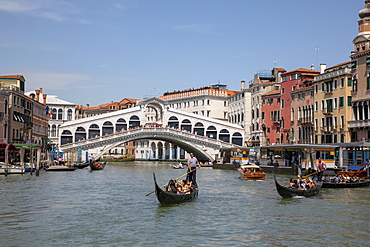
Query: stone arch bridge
x,y
151,119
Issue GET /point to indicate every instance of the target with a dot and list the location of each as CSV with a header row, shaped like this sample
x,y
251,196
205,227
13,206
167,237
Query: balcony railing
x,y
327,111
359,123
328,129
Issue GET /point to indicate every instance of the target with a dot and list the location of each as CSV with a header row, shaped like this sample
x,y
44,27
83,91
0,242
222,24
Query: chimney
x,y
242,85
37,95
312,67
322,68
40,89
44,97
87,106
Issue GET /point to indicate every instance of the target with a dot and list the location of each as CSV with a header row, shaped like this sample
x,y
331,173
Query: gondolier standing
x,y
192,166
321,166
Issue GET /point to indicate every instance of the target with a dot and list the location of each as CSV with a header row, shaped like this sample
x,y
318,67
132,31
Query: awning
x,y
26,145
47,140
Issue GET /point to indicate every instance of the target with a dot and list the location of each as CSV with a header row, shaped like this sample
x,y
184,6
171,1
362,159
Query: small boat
x,y
355,170
360,183
60,168
287,192
166,197
178,166
10,169
97,166
251,172
82,165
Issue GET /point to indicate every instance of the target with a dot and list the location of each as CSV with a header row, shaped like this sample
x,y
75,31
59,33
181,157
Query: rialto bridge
x,y
169,130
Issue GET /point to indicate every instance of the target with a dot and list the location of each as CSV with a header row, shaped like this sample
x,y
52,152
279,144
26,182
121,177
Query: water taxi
x,y
251,172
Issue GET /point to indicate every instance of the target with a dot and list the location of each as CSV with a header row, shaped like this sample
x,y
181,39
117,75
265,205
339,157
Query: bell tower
x,y
362,41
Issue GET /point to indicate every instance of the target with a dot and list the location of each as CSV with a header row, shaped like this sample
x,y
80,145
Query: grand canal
x,y
109,208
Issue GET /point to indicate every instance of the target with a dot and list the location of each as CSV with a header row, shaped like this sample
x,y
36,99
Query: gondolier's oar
x,y
174,179
313,173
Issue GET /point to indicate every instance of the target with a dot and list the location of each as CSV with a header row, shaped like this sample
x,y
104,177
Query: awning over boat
x,y
355,168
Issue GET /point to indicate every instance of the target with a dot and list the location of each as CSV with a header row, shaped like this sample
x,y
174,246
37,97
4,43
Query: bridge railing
x,y
155,129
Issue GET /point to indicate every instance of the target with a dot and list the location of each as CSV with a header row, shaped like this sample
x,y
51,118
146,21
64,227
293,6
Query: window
x,y
349,100
294,77
341,101
349,82
354,64
283,78
368,82
322,87
263,115
341,82
335,103
316,88
282,90
368,61
335,84
354,86
316,106
282,103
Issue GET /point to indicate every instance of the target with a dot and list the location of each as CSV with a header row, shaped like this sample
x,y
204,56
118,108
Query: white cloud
x,y
57,10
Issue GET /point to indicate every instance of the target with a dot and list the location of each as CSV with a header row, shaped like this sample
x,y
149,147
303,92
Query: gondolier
x,y
192,166
321,166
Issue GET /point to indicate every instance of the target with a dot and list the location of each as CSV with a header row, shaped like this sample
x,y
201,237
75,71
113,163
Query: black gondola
x,y
286,192
361,183
165,197
82,165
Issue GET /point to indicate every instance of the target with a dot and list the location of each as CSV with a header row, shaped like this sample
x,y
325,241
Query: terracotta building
x,y
291,81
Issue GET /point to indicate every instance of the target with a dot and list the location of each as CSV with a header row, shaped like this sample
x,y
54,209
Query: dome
x,y
365,12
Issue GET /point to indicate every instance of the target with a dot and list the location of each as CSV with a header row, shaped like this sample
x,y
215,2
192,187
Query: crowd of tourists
x,y
181,187
301,183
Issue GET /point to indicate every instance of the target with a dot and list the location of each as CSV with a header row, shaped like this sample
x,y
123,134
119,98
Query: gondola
x,y
82,165
97,166
360,183
286,192
165,197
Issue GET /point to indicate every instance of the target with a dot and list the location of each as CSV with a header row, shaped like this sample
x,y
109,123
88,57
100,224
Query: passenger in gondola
x,y
336,179
327,179
171,187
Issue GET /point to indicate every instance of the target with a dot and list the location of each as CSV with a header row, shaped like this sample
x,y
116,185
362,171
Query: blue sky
x,y
98,51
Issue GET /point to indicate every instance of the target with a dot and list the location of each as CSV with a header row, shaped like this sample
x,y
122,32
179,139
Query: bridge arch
x,y
134,121
80,133
121,124
94,131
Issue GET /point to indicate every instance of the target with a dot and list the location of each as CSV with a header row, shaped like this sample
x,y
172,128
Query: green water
x,y
109,208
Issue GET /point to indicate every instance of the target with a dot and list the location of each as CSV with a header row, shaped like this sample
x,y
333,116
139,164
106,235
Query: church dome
x,y
365,12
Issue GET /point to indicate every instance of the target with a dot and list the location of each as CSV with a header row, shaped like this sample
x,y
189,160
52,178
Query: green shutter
x,y
349,81
349,100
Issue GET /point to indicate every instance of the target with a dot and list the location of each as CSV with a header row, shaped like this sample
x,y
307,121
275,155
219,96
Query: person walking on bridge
x,y
193,163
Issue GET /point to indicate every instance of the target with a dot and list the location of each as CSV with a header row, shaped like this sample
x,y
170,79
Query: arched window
x,y
60,114
69,114
121,124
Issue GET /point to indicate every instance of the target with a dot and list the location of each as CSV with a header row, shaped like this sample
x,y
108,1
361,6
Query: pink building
x,y
270,119
291,81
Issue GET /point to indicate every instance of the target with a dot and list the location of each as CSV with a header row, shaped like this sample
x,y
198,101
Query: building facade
x,y
360,68
333,108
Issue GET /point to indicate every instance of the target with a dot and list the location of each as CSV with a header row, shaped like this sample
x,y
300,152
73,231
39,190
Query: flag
x,y
50,112
47,110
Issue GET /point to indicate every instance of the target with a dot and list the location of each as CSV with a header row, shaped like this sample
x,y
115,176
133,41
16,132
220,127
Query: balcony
x,y
359,123
305,120
328,129
276,121
327,111
329,91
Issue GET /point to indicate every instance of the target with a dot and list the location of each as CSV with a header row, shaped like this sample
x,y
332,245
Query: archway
x,y
224,135
107,128
80,134
134,122
66,137
173,122
199,129
237,139
186,125
211,132
121,124
94,131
